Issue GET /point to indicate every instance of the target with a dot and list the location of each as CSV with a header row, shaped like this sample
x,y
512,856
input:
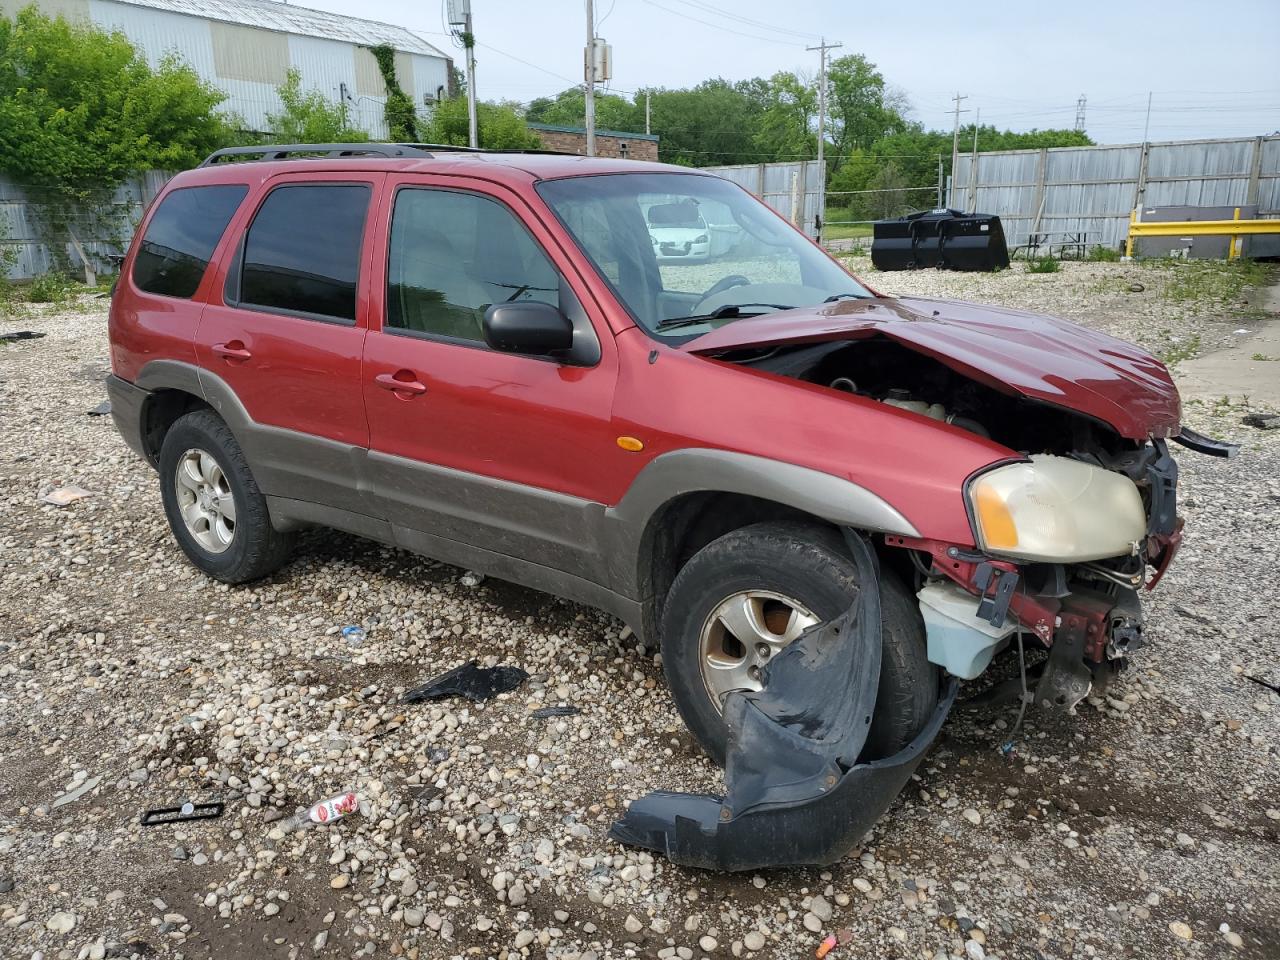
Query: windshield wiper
x,y
852,296
720,313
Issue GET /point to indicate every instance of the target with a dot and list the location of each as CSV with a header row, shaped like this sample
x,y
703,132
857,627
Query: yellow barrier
x,y
1235,229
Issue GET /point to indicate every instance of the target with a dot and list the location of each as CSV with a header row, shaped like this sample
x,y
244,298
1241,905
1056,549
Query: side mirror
x,y
529,327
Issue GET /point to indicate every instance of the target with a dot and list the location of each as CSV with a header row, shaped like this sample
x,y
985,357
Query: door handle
x,y
401,382
232,351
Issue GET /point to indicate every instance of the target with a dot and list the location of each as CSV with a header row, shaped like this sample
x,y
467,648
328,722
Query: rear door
x,y
282,336
478,455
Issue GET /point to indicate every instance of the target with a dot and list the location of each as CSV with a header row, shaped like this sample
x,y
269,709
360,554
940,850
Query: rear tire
x,y
214,507
809,568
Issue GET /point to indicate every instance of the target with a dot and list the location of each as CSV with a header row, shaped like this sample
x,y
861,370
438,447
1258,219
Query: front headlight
x,y
700,238
1056,510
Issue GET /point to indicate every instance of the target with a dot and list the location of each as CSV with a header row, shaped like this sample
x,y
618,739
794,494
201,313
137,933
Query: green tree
x,y
861,107
787,107
310,117
712,123
914,153
80,108
568,108
501,127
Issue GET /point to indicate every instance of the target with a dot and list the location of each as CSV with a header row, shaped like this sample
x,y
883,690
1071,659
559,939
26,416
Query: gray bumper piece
x,y
126,410
796,794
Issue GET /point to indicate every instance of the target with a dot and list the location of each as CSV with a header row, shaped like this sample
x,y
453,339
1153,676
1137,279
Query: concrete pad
x,y
1232,371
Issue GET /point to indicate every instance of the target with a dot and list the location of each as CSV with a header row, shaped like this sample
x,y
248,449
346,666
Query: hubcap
x,y
742,634
205,501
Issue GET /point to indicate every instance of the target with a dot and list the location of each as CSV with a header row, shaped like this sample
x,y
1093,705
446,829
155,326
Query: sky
x,y
1212,68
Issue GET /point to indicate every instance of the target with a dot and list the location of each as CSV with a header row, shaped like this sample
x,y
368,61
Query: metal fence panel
x,y
103,232
772,183
1093,190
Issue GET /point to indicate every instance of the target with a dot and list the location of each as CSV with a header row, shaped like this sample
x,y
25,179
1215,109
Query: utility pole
x,y
460,17
1146,127
1080,114
939,182
955,136
646,112
821,213
973,164
589,75
473,127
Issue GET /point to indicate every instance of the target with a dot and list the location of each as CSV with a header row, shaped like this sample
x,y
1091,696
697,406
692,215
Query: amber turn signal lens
x,y
630,443
998,529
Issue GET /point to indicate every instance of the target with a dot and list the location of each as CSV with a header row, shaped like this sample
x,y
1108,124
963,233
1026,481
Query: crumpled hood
x,y
1039,357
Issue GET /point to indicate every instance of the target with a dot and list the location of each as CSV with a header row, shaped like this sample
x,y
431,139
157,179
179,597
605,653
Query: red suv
x,y
516,364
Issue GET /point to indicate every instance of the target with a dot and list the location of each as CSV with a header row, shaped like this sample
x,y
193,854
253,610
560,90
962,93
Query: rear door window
x,y
301,254
181,238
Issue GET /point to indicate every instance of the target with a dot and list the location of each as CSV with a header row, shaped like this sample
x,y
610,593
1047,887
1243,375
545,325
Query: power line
x,y
527,63
722,27
758,24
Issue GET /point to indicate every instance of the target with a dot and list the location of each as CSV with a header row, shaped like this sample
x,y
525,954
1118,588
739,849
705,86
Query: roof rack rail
x,y
283,151
328,151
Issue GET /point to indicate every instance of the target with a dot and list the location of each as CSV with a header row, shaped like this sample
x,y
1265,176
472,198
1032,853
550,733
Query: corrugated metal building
x,y
244,47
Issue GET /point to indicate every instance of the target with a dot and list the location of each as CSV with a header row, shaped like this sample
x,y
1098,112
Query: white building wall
x,y
327,66
429,75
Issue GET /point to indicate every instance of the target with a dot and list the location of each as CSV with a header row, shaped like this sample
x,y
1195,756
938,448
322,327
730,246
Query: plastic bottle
x,y
353,635
326,811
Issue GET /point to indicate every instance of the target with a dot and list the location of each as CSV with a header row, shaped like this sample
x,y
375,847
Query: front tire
x,y
214,507
746,595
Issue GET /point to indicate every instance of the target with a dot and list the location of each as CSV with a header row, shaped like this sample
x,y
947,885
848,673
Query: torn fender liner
x,y
796,794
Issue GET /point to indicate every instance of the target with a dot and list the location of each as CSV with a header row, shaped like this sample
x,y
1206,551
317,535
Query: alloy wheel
x,y
205,500
743,632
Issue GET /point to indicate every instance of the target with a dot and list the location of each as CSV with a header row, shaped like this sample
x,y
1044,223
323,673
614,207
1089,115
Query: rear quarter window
x,y
181,238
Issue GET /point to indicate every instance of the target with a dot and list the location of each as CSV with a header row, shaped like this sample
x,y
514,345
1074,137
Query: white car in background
x,y
679,233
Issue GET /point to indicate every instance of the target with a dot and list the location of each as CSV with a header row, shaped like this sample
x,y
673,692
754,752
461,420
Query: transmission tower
x,y
1080,114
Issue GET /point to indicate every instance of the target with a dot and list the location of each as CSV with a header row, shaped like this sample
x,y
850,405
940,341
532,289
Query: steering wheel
x,y
725,283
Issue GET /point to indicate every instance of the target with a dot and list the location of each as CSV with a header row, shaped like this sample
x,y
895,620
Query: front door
x,y
284,332
476,455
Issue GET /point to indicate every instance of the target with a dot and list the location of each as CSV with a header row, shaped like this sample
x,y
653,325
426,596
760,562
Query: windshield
x,y
686,253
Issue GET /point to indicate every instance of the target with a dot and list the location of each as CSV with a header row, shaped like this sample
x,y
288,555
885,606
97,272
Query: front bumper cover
x,y
688,829
796,794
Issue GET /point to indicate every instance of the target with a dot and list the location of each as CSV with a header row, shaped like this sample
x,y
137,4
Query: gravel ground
x,y
1145,826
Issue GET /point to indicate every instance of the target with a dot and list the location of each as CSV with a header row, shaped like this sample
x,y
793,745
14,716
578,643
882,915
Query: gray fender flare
x,y
629,531
285,463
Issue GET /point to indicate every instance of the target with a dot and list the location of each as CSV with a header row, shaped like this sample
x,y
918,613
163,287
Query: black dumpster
x,y
947,239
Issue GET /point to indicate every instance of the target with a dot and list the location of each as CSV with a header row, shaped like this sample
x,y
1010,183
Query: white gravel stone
x,y
61,922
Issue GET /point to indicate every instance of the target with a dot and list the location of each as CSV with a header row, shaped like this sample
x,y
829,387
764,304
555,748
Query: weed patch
x,y
1181,350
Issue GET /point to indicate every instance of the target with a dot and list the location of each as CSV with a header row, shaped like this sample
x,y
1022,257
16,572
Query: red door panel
x,y
297,377
503,452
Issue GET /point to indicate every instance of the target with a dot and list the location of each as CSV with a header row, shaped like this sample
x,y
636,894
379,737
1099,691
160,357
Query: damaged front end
x,y
796,793
1077,517
1067,571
